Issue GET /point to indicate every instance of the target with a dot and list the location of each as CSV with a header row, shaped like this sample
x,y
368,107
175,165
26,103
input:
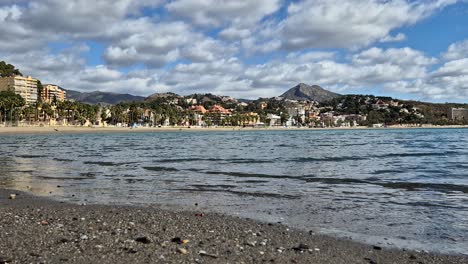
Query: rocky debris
x,y
179,241
301,247
143,239
204,253
77,234
182,251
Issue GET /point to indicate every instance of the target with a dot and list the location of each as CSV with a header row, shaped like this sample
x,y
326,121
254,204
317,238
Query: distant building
x,y
275,120
26,87
53,92
191,101
219,109
198,109
380,105
458,114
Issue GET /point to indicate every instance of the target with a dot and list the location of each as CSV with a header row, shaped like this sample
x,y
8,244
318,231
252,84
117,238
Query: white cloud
x,y
220,12
349,23
389,38
457,50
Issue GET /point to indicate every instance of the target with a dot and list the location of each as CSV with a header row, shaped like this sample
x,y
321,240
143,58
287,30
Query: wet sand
x,y
39,230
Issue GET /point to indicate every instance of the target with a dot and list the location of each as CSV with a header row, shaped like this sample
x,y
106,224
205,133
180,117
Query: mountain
x,y
98,97
303,92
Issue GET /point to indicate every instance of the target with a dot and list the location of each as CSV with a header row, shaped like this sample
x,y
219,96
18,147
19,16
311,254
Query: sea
x,y
398,188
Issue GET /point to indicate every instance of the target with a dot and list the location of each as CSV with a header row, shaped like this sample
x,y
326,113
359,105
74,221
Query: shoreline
x,y
39,229
79,129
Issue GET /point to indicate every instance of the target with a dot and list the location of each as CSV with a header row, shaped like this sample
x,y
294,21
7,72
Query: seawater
x,y
397,188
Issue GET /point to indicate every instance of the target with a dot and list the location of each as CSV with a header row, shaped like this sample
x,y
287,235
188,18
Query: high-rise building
x,y
26,87
51,91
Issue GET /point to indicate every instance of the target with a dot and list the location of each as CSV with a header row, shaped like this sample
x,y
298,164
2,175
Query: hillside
x,y
98,97
304,92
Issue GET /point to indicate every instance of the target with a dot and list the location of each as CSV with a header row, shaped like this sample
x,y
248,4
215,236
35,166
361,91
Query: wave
x,y
251,175
101,163
209,188
327,159
156,168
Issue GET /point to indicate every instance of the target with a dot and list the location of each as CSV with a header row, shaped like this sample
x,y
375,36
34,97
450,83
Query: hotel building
x,y
52,91
26,87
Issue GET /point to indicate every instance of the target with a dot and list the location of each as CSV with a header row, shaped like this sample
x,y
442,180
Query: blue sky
x,y
247,49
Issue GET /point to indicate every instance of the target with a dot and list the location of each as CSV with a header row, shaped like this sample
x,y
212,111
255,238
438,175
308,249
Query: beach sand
x,y
39,230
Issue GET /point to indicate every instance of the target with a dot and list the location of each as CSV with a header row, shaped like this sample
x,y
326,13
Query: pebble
x,y
377,248
12,196
301,247
143,239
179,241
182,251
84,237
204,253
252,244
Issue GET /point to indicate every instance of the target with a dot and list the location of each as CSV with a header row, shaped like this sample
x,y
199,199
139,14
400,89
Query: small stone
x,y
301,247
252,244
84,237
143,239
317,249
377,248
164,244
179,241
44,222
12,196
204,253
182,251
82,219
261,252
99,247
412,257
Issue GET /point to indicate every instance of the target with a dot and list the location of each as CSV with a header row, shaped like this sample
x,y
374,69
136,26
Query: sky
x,y
246,49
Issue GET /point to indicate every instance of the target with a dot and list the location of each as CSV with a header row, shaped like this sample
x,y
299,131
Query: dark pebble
x,y
177,240
377,248
143,239
301,247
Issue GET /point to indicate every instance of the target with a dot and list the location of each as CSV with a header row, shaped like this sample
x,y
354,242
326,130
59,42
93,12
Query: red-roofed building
x,y
219,109
198,108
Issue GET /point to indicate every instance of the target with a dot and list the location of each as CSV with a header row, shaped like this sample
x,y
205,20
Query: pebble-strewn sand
x,y
38,230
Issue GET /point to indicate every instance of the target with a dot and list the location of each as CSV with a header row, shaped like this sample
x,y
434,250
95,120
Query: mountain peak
x,y
304,92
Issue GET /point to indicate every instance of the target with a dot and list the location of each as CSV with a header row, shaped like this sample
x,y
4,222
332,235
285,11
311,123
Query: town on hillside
x,y
25,101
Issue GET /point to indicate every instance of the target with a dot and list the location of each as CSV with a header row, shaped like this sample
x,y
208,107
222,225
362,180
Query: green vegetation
x,y
8,70
10,103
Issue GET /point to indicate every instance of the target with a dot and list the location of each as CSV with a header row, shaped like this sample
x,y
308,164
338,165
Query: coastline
x,y
79,129
38,229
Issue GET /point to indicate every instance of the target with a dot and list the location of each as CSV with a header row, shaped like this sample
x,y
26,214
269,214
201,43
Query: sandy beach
x,y
39,230
83,129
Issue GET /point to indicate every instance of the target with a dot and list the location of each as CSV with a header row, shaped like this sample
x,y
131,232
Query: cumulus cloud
x,y
457,50
239,48
395,38
349,23
220,12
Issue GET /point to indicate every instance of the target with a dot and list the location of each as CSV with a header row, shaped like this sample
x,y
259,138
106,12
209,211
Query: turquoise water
x,y
398,188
